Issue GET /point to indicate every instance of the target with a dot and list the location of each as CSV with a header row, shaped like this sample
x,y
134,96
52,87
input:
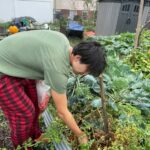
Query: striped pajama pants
x,y
18,100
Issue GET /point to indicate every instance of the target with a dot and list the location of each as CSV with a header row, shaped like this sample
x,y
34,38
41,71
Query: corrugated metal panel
x,y
107,18
63,145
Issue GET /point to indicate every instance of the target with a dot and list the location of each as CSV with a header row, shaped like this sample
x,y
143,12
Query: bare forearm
x,y
69,120
60,101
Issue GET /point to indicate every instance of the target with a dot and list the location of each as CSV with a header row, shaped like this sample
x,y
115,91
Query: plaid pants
x,y
18,100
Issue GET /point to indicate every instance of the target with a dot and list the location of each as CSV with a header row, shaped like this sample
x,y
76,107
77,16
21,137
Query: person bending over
x,y
46,55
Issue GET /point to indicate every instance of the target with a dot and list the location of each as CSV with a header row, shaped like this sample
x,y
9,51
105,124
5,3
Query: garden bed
x,y
127,88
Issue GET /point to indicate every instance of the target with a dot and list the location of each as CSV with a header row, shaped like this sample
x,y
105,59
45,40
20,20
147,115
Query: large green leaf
x,y
96,103
89,80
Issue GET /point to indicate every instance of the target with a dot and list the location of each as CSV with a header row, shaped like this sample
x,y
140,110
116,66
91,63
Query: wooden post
x,y
139,24
102,94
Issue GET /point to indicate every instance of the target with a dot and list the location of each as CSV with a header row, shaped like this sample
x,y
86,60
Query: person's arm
x,y
60,101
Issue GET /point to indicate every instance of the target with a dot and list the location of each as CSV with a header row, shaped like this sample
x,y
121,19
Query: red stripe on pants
x,y
18,100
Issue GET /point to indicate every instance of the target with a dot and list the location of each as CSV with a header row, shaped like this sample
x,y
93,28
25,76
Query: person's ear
x,y
77,57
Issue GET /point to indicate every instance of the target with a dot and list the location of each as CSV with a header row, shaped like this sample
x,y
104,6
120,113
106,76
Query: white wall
x,y
41,10
7,10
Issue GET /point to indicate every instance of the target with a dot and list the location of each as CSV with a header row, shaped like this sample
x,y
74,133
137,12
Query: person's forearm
x,y
60,101
68,118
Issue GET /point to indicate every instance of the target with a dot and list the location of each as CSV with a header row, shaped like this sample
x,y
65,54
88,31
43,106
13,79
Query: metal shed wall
x,y
148,16
145,14
107,18
108,12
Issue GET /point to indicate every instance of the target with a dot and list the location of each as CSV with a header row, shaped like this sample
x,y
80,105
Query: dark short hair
x,y
92,54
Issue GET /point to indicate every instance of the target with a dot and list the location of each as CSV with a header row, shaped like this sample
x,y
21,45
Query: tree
x,y
138,29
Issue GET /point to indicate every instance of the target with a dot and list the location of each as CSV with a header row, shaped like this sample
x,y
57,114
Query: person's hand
x,y
83,139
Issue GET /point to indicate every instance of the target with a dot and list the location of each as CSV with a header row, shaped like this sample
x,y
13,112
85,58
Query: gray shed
x,y
117,16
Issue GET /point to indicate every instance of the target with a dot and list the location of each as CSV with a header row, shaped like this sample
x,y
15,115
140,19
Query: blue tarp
x,y
73,25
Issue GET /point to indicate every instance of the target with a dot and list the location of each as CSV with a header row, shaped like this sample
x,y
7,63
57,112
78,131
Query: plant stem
x,y
105,118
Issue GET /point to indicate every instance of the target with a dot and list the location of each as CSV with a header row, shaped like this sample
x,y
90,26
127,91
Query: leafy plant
x,y
117,44
140,62
145,40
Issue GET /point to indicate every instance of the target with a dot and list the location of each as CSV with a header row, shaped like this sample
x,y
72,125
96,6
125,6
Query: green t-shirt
x,y
39,55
